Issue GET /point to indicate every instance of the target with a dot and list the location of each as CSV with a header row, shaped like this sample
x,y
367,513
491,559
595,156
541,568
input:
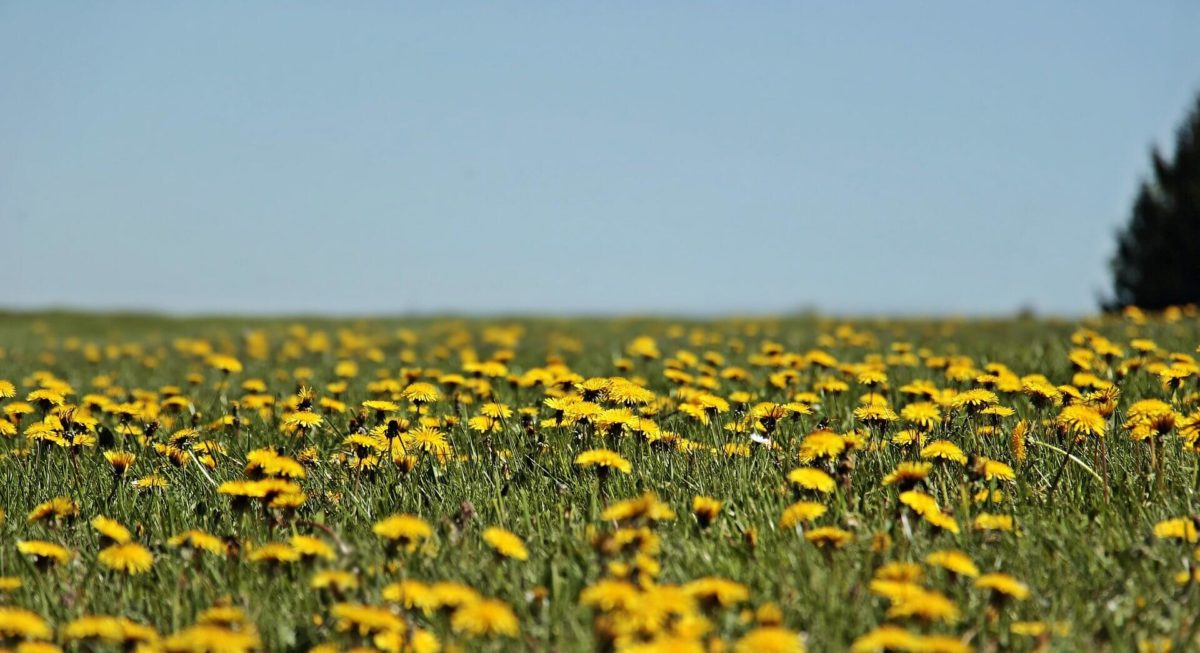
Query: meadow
x,y
632,485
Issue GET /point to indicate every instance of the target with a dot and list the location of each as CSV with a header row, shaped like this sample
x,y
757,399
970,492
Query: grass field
x,y
592,485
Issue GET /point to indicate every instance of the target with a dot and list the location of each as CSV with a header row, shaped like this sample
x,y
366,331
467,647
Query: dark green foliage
x,y
1157,263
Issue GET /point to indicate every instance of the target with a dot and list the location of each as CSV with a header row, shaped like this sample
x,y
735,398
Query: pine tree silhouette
x,y
1157,263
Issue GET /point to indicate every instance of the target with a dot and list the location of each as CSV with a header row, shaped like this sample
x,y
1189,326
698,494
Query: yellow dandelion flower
x,y
302,420
926,605
56,509
954,561
829,536
989,522
311,547
19,623
208,638
129,558
44,552
120,461
1182,528
919,502
486,617
402,530
334,579
274,553
645,507
769,640
111,529
706,510
811,478
908,474
505,543
924,415
449,594
603,459
151,482
801,512
717,591
198,540
1003,584
941,520
421,393
410,594
943,450
887,637
821,444
994,470
609,594
1081,421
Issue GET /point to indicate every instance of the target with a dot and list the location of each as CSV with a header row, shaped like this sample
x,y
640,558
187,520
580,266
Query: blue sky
x,y
356,157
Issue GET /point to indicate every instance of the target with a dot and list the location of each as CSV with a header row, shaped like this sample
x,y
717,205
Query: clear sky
x,y
565,157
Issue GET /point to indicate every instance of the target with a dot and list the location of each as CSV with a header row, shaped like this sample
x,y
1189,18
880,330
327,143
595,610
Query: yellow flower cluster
x,y
753,486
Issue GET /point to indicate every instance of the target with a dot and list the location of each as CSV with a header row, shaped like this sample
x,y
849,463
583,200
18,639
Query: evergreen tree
x,y
1157,263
